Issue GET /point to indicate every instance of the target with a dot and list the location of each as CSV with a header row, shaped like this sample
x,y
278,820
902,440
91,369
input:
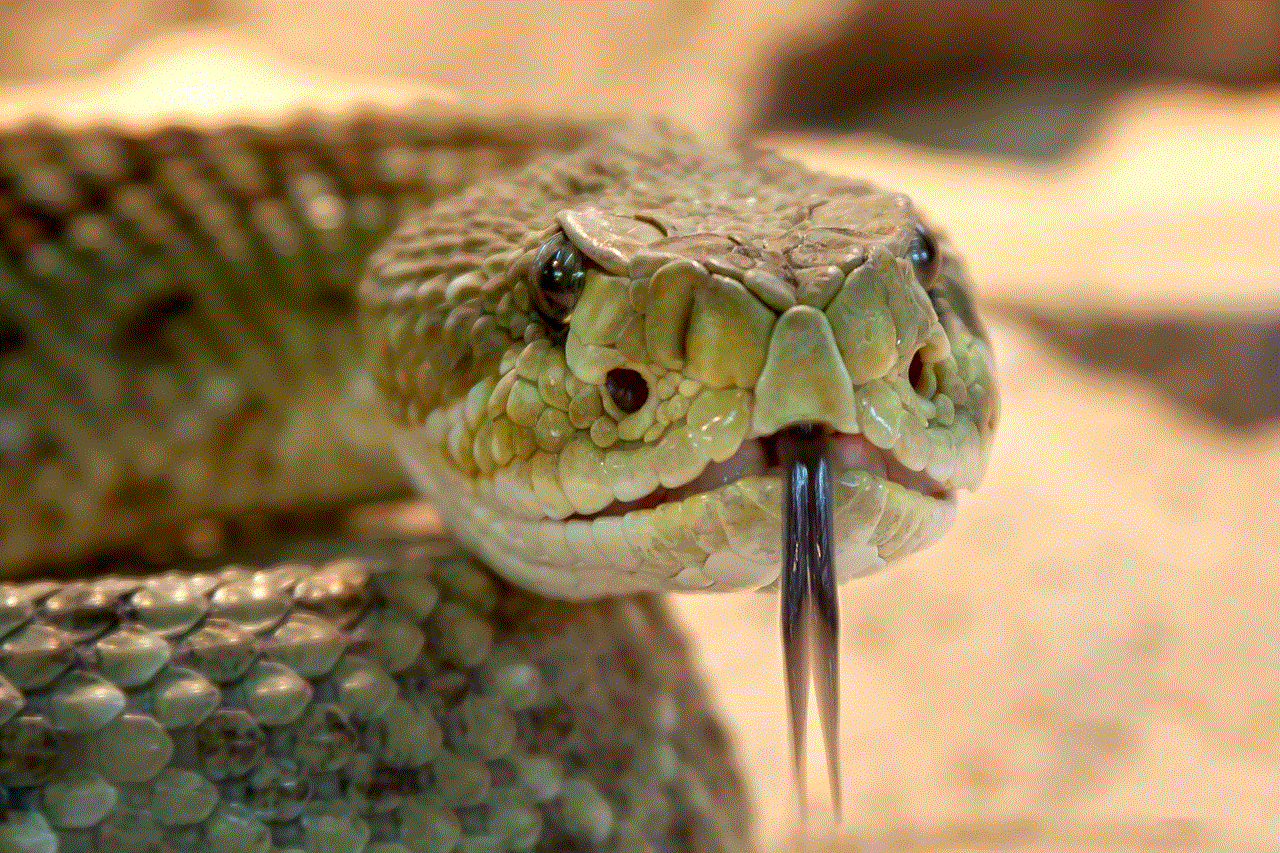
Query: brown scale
x,y
155,264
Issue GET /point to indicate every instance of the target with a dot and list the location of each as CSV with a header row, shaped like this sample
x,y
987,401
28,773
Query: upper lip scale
x,y
755,457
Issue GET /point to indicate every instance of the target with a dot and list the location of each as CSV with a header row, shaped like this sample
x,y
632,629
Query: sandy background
x,y
1091,660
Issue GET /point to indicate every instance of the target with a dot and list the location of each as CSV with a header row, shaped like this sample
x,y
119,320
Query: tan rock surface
x,y
704,63
1173,203
1091,659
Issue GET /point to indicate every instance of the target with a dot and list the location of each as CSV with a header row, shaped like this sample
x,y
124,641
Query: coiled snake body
x,y
617,361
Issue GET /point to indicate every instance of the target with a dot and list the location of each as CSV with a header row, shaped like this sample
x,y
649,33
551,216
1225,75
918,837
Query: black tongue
x,y
810,611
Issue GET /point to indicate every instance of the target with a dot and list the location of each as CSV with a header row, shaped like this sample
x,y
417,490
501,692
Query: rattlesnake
x,y
616,359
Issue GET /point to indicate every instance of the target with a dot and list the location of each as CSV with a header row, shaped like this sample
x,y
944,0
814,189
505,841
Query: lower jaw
x,y
724,538
731,537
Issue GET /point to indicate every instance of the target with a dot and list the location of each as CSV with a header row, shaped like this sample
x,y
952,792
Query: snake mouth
x,y
759,456
803,458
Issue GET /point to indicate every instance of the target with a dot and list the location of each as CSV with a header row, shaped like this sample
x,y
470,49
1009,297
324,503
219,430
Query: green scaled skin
x,y
178,333
178,342
179,345
423,705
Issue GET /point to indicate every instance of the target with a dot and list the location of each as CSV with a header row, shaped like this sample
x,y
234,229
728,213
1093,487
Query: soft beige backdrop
x,y
1090,661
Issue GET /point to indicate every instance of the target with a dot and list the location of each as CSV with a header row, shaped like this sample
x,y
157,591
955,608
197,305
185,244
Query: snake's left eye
x,y
923,253
556,280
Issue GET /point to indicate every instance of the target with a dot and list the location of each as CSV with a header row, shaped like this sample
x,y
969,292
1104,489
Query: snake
x,y
617,359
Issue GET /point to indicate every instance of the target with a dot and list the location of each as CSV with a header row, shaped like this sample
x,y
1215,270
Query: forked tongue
x,y
810,612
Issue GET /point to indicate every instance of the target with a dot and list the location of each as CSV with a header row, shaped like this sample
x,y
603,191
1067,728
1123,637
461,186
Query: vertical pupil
x,y
923,254
560,280
921,251
553,273
561,272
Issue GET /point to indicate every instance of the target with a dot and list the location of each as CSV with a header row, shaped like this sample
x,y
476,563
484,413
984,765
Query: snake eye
x,y
924,256
556,280
627,389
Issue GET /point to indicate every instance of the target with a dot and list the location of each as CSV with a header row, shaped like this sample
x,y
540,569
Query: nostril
x,y
915,371
627,388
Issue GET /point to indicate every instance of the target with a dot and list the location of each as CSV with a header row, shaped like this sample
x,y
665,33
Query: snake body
x,y
592,344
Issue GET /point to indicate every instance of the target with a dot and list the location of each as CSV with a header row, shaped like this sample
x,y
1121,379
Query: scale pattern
x,y
177,317
419,705
179,353
179,348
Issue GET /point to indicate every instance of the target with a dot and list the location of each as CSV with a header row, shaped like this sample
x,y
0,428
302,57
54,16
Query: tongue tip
x,y
810,612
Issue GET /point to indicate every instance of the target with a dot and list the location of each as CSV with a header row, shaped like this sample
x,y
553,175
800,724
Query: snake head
x,y
655,365
591,364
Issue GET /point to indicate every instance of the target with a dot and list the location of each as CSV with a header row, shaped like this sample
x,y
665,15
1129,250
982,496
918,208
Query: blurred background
x,y
1091,660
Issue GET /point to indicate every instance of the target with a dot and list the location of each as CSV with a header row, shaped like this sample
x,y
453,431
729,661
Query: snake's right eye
x,y
556,280
924,256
